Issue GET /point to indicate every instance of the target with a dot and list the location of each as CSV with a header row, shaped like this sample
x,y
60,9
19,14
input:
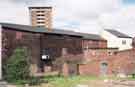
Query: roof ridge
x,y
28,28
117,33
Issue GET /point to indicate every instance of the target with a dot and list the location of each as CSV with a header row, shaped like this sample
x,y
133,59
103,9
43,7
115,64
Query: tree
x,y
17,66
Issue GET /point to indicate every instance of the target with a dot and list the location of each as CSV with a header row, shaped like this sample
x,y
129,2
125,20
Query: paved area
x,y
11,86
111,83
108,83
122,83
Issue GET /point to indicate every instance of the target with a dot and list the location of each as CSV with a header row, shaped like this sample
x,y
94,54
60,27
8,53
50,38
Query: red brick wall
x,y
91,68
94,57
65,69
38,42
125,61
120,62
64,49
95,43
100,54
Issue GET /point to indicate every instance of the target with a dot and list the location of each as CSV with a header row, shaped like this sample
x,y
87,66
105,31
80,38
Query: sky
x,y
88,16
129,1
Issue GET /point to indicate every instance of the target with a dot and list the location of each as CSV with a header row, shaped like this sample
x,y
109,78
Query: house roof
x,y
91,36
28,28
36,7
97,48
117,33
134,42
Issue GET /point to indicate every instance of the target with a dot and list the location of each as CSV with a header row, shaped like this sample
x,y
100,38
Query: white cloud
x,y
86,12
122,20
10,12
87,15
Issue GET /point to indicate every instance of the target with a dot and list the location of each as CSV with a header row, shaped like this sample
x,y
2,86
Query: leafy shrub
x,y
133,75
17,66
35,81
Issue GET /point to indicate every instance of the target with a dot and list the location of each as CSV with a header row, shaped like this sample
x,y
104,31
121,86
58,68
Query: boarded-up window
x,y
18,35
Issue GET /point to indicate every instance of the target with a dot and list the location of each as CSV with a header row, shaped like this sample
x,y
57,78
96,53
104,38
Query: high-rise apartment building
x,y
41,17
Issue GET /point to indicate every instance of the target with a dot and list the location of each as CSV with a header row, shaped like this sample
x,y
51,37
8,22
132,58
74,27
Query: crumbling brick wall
x,y
118,62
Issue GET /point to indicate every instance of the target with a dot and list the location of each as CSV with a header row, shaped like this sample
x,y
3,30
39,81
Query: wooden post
x,y
0,52
65,70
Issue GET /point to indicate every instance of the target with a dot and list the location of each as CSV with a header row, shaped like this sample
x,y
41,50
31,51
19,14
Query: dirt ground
x,y
112,83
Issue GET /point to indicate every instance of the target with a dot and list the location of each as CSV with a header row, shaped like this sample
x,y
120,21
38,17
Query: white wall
x,y
128,44
116,42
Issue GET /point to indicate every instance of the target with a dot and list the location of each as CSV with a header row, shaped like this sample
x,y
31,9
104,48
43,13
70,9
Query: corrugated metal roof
x,y
38,29
117,33
28,28
91,36
40,7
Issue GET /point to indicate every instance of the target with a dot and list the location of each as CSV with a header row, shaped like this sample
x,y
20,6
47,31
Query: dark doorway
x,y
73,69
103,68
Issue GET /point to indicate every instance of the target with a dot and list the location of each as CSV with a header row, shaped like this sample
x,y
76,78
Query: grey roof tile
x,y
91,36
117,33
28,28
38,29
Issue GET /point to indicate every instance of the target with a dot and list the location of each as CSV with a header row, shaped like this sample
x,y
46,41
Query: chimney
x,y
41,17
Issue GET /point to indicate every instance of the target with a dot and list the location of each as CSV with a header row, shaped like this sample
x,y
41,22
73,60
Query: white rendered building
x,y
116,39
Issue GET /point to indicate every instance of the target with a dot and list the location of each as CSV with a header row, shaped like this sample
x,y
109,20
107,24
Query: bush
x,y
17,66
35,81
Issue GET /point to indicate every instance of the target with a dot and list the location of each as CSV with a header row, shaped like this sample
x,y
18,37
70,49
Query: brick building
x,y
56,45
41,17
110,60
64,51
122,41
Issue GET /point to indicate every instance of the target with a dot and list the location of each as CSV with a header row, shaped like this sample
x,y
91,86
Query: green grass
x,y
70,81
74,80
131,78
